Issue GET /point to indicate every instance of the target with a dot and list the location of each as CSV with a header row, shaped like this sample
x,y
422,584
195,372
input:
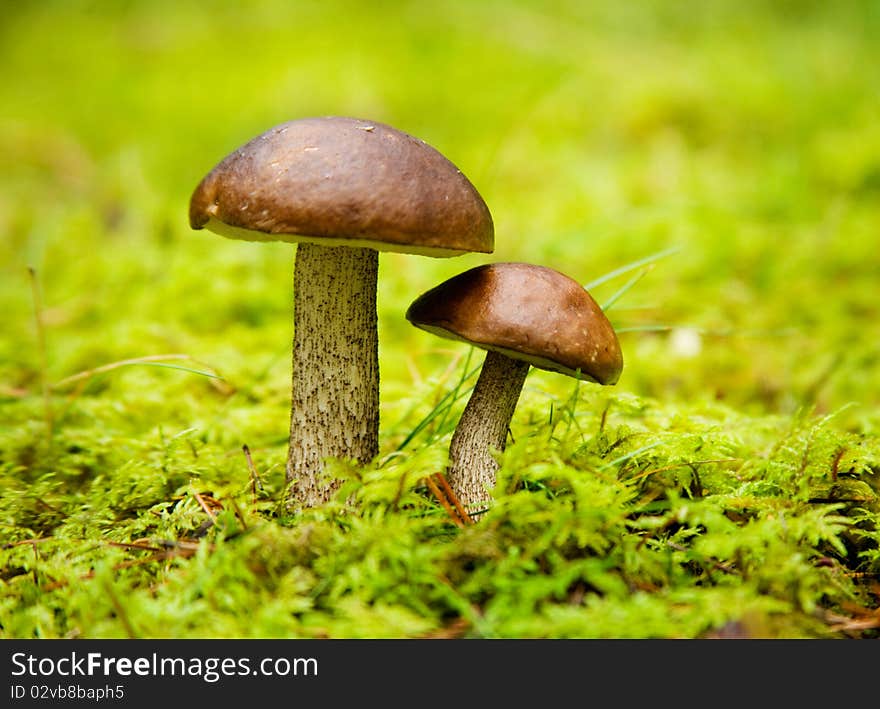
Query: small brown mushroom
x,y
343,189
523,315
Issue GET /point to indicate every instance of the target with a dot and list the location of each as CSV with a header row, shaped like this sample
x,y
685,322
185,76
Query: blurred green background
x,y
739,138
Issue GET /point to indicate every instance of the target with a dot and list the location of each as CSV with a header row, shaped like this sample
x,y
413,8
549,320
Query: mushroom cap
x,y
526,312
341,181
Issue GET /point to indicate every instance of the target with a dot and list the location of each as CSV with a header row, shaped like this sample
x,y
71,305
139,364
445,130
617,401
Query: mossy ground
x,y
727,486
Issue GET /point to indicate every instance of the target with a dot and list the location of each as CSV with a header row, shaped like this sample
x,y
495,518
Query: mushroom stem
x,y
483,428
335,389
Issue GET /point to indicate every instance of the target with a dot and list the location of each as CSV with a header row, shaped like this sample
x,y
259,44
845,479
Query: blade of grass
x,y
632,267
455,391
149,361
660,327
442,407
620,292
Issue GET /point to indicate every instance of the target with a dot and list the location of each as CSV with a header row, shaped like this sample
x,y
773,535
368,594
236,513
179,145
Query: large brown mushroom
x,y
342,189
523,315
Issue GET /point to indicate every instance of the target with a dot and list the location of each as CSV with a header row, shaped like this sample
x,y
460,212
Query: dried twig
x,y
238,515
255,478
439,485
23,542
204,506
143,546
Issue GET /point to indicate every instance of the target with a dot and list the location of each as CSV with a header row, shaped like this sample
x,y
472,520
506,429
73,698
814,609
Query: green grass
x,y
711,170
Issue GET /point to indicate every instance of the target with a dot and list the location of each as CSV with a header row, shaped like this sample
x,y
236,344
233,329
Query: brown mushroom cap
x,y
527,312
343,181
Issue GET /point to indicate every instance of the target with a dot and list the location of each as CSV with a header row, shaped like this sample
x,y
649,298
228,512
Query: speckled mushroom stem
x,y
335,391
483,428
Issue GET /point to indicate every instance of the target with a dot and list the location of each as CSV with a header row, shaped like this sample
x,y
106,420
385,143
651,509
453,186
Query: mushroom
x,y
522,315
342,189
